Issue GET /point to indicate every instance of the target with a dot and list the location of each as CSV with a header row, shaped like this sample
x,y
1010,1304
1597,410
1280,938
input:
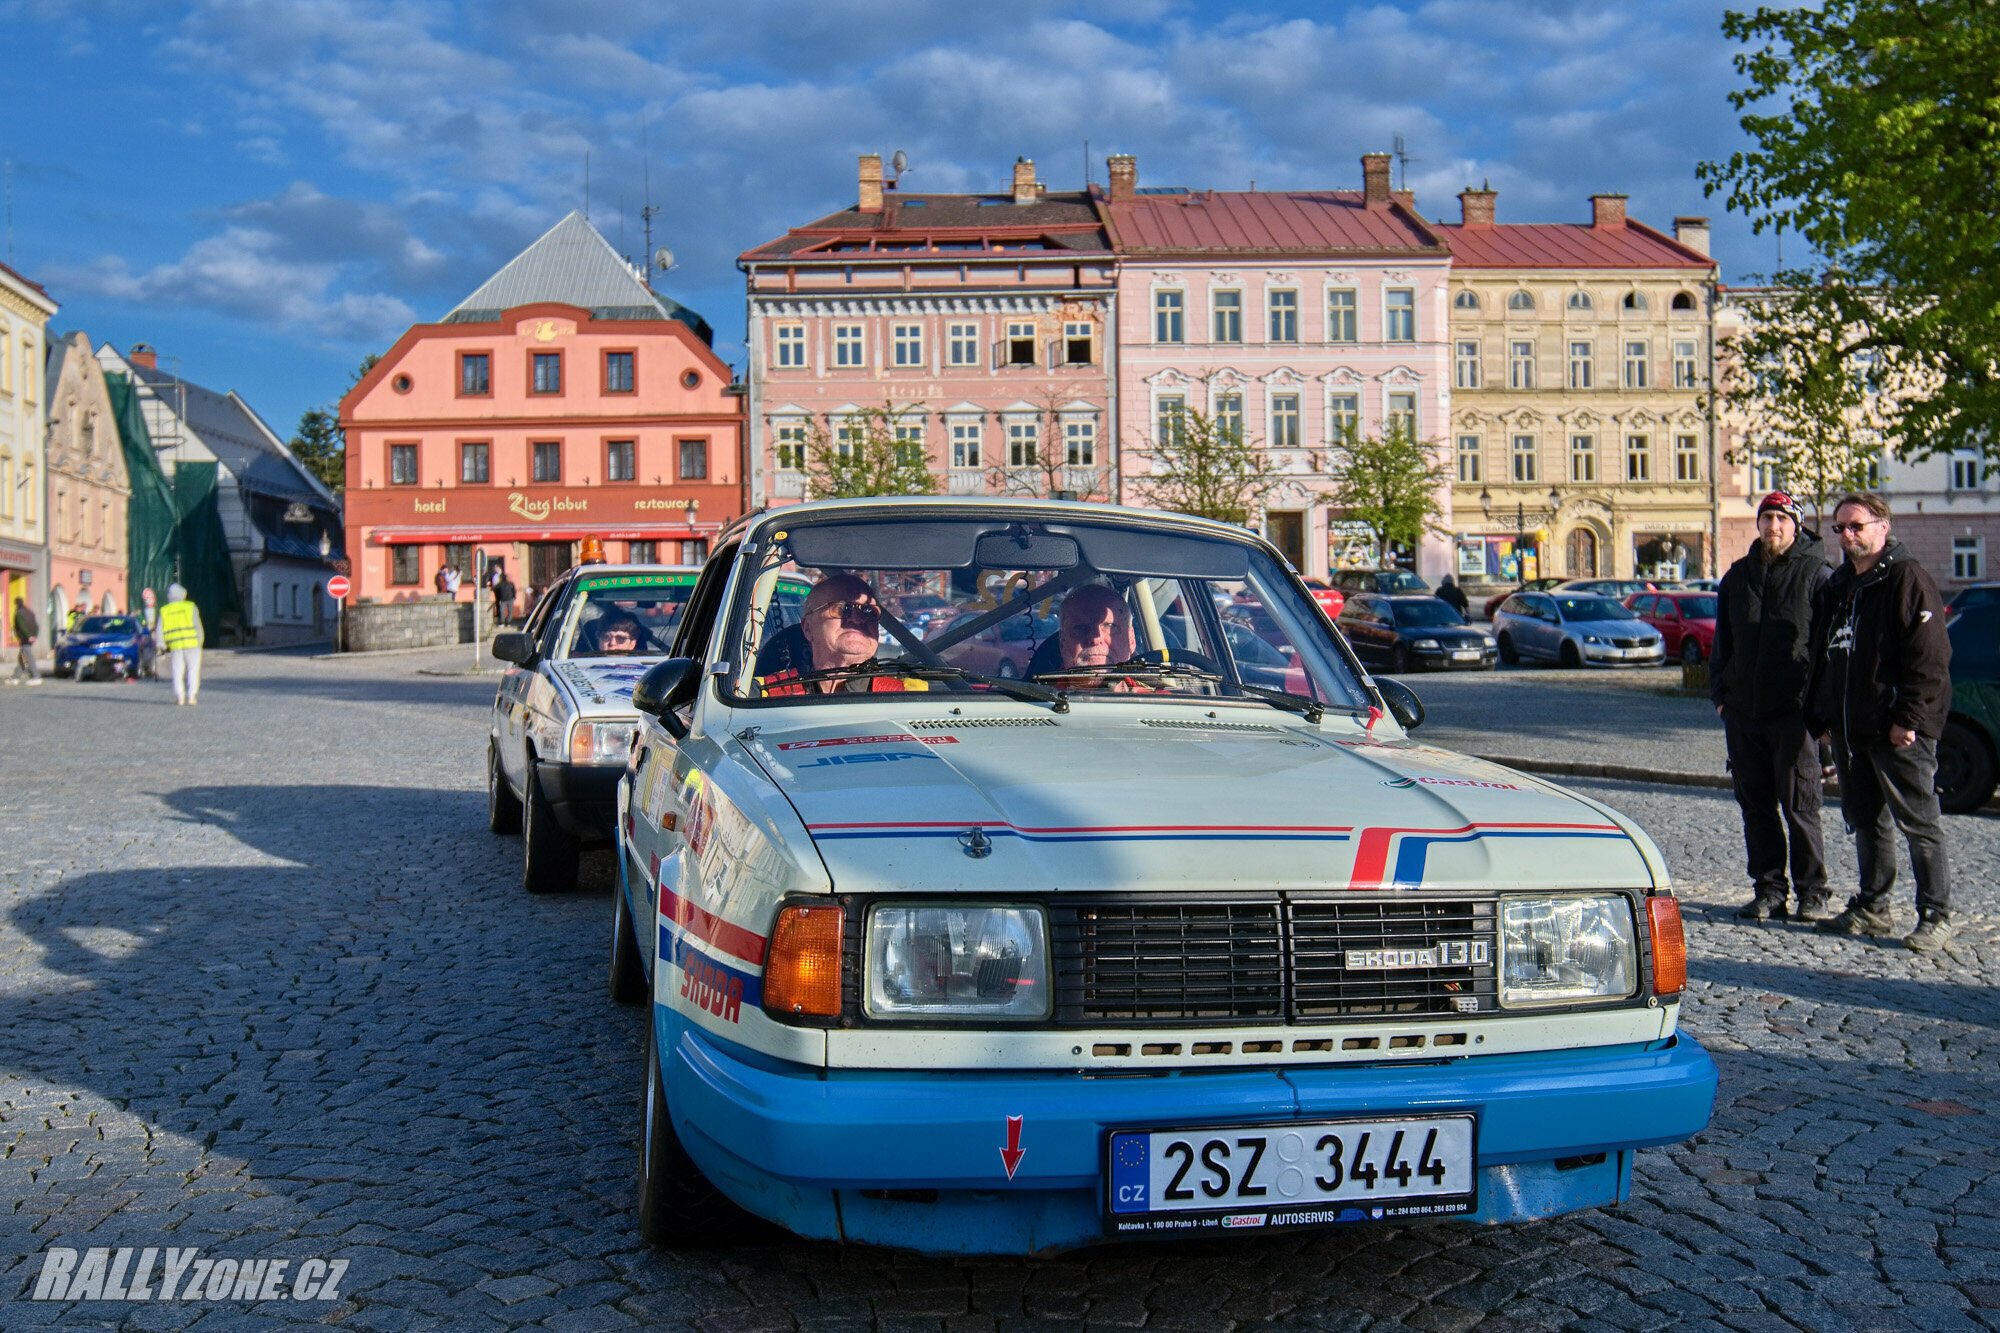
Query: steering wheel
x,y
1181,656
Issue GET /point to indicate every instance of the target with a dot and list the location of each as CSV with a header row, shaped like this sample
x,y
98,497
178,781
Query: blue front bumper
x,y
815,1151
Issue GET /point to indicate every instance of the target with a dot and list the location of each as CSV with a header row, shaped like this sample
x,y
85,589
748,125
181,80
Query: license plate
x,y
1228,1177
1465,655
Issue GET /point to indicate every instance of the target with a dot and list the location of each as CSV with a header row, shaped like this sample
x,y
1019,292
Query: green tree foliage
x,y
1205,468
1876,126
1050,474
863,455
319,444
1389,483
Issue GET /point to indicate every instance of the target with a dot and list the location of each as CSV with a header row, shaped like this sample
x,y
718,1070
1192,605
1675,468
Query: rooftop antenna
x,y
621,228
10,210
1403,161
586,185
647,213
1086,166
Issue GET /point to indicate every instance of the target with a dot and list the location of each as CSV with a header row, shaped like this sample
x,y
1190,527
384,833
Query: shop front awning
x,y
615,532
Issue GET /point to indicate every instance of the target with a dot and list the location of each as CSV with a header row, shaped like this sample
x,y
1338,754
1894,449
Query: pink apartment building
x,y
1289,314
563,399
982,321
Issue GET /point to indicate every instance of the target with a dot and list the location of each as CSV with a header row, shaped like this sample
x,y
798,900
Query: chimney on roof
x,y
1124,171
1693,233
871,183
1026,188
1476,207
1375,179
143,356
1607,211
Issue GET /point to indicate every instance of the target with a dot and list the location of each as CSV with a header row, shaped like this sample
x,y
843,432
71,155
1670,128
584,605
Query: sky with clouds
x,y
268,189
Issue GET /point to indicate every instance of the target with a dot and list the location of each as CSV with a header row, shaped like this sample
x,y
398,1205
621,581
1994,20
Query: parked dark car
x,y
1351,581
105,647
1685,619
1969,750
1974,594
1411,633
1532,585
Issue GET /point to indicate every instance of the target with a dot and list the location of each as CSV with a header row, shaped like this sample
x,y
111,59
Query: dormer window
x,y
1521,301
1635,301
1466,301
1580,301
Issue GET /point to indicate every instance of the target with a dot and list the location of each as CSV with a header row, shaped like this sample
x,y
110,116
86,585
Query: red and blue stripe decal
x,y
699,941
1412,847
1091,832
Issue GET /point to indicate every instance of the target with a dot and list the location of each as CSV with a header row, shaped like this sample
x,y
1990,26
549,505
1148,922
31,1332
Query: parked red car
x,y
1328,596
1685,619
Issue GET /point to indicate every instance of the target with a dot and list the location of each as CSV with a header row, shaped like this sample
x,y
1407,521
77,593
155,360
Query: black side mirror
x,y
1404,705
666,687
513,646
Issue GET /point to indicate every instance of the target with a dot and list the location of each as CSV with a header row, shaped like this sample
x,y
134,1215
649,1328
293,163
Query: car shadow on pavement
x,y
1953,1001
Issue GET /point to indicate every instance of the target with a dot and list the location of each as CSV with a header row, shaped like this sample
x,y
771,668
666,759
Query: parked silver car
x,y
1574,629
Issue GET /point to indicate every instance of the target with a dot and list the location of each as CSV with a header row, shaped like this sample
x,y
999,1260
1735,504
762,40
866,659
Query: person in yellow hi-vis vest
x,y
180,634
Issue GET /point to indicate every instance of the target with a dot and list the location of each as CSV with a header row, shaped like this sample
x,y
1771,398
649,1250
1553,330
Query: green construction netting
x,y
152,520
206,573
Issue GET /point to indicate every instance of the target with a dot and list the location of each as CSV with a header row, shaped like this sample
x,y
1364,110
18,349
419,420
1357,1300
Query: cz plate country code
x,y
1234,1176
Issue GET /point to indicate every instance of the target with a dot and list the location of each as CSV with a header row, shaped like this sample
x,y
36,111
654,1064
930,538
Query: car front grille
x,y
1171,962
1630,643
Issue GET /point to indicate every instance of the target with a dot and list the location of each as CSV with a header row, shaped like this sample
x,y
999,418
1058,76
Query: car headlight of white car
x,y
1561,950
601,742
939,961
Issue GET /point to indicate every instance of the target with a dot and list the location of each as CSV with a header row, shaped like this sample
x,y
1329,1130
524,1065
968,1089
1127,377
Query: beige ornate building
x,y
25,311
88,491
1581,358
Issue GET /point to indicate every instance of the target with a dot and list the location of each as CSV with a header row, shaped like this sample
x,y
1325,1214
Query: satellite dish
x,y
901,161
663,258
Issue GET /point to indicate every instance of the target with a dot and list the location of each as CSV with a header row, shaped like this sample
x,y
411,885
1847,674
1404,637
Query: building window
x,y
1470,449
694,551
403,565
1874,478
1078,343
1635,301
475,463
1686,371
1580,301
547,372
1021,344
547,460
1580,372
1520,301
1583,458
846,439
964,344
1638,458
642,553
1342,321
1285,420
1466,300
1684,301
1965,472
791,447
1763,473
1521,365
1524,458
1687,458
909,445
906,344
1344,415
458,556
1169,415
1968,558
1229,415
791,346
965,444
694,460
621,461
847,348
1468,363
1284,317
1399,316
1228,317
402,465
475,374
1402,415
1168,311
618,377
1021,443
1080,442
1635,365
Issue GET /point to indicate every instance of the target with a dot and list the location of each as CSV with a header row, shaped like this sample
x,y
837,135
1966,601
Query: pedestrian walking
x,y
1451,595
1881,685
503,600
181,636
448,581
1757,674
26,630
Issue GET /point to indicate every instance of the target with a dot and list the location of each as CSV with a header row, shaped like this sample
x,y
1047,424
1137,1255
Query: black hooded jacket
x,y
1881,656
1763,629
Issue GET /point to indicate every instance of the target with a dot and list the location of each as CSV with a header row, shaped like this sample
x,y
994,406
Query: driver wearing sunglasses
x,y
841,623
618,635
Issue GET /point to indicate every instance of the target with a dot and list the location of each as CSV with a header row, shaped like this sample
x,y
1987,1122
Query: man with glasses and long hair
x,y
1881,684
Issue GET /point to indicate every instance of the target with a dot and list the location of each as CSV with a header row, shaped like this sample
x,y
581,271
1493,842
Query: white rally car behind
x,y
1158,937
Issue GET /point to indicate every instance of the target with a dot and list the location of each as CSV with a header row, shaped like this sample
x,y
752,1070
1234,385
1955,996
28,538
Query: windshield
x,y
1400,580
958,603
623,615
109,625
1429,614
1592,608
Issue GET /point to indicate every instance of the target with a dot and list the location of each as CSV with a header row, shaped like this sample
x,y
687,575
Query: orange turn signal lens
x,y
802,969
1670,950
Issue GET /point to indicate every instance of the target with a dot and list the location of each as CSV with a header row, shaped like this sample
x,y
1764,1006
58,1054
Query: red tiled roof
x,y
1264,222
911,224
1566,245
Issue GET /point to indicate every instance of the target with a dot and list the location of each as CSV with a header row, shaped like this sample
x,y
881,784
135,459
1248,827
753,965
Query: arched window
x,y
1466,300
1520,301
1635,301
1684,301
1580,301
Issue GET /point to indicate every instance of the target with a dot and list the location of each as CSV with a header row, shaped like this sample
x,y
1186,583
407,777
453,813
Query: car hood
x,y
1624,629
1456,633
100,640
602,686
1111,799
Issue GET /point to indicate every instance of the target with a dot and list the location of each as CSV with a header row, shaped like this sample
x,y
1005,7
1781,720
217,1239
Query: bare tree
x,y
1049,472
1207,468
869,452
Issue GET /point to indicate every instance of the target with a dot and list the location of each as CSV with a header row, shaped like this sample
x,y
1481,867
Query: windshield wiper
x,y
1312,709
1133,667
1025,690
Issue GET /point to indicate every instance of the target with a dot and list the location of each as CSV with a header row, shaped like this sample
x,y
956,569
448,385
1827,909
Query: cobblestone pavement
x,y
270,988
1627,716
